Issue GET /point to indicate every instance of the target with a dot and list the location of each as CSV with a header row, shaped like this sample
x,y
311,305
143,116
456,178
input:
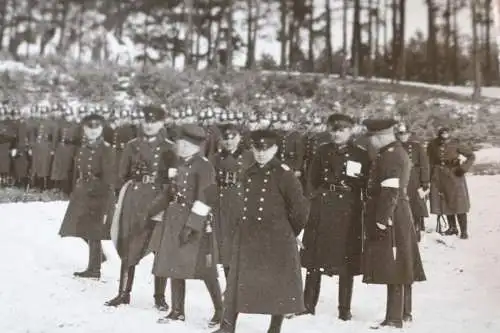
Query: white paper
x,y
13,152
353,169
172,172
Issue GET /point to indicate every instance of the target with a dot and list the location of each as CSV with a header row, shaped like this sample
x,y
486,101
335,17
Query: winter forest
x,y
210,32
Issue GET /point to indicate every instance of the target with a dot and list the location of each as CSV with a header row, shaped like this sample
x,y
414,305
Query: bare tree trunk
x,y
345,8
310,46
3,20
395,40
255,30
230,35
188,42
283,33
250,46
401,43
386,27
487,43
371,14
456,46
378,23
475,56
447,42
328,37
432,53
356,38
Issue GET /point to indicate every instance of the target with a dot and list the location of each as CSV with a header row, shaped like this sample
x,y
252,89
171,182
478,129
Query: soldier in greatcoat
x,y
333,234
418,186
7,141
291,148
265,274
187,246
43,140
93,194
449,193
391,255
140,177
20,151
119,132
68,138
230,162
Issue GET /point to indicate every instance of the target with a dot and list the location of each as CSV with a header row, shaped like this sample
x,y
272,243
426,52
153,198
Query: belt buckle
x,y
333,187
147,179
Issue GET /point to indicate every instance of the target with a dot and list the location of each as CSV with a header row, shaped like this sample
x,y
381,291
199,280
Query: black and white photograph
x,y
246,166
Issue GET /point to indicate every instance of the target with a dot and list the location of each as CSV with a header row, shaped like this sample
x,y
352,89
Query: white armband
x,y
201,209
390,182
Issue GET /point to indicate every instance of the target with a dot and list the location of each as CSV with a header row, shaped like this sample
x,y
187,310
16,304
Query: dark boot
x,y
213,288
103,256
462,222
311,291
126,282
394,310
178,290
418,226
276,323
345,296
407,303
452,223
160,285
94,264
228,324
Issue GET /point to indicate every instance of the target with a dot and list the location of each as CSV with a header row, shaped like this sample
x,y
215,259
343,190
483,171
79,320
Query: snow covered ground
x,y
39,295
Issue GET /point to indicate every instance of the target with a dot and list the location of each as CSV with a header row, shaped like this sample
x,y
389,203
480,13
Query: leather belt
x,y
337,188
145,179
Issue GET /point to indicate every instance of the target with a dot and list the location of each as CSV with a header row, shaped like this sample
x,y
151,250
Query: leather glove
x,y
186,235
380,233
459,172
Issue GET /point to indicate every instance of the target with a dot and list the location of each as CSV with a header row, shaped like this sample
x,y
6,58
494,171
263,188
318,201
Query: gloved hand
x,y
187,234
380,232
459,172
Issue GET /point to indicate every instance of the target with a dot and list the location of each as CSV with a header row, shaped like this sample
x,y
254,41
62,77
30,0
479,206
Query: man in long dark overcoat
x,y
93,194
449,193
230,162
140,177
186,248
333,234
391,255
265,274
418,186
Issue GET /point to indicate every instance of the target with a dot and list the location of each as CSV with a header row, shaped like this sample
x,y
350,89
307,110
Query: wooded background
x,y
209,32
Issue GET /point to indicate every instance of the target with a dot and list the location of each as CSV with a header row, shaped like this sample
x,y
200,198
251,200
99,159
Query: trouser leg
x,y
95,250
226,271
452,223
160,285
462,221
215,292
394,313
312,290
276,323
407,303
346,282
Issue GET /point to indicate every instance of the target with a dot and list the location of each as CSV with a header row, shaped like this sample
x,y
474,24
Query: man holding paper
x,y
333,234
418,186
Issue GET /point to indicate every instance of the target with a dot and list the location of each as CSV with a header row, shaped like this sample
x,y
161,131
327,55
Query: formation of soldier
x,y
262,199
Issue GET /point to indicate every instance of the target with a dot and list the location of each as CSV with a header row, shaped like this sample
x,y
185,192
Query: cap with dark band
x,y
380,126
153,113
93,120
228,131
339,121
264,139
192,133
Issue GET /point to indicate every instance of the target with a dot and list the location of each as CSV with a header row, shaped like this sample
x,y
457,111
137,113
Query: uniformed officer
x,y
391,255
141,172
291,148
333,235
68,137
187,247
265,276
449,193
93,195
229,162
418,186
